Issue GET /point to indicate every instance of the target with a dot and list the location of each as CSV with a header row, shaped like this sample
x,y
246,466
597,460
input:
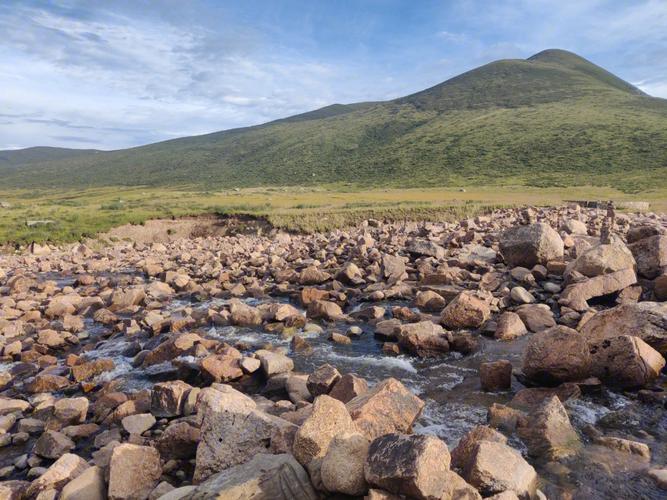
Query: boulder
x,y
548,433
557,355
178,441
576,295
463,453
536,317
393,268
651,255
646,320
423,339
53,444
87,370
264,477
349,387
133,472
416,466
430,301
465,311
425,248
329,311
496,375
602,259
342,469
329,418
89,485
274,363
495,467
233,429
573,226
63,470
139,423
509,326
529,245
167,398
322,380
221,368
388,407
626,362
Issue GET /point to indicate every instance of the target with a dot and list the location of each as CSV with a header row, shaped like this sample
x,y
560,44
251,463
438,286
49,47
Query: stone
x,y
576,295
659,476
625,362
549,433
88,370
529,245
264,477
602,259
297,388
425,248
521,296
244,315
89,485
536,317
71,410
389,407
329,418
167,398
221,368
573,226
178,441
651,255
509,326
250,365
496,375
329,311
660,287
63,470
463,453
342,467
413,465
495,467
393,268
557,355
348,387
53,444
423,339
322,380
139,423
625,446
133,472
233,429
465,311
430,301
646,320
274,363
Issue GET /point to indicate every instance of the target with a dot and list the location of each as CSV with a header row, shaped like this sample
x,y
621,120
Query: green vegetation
x,y
78,214
554,119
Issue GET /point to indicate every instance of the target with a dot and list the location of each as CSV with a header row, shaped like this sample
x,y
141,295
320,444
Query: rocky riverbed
x,y
518,354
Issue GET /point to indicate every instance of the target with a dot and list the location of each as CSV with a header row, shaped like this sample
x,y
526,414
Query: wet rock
x,y
465,311
89,485
313,276
529,245
495,467
322,380
133,472
496,375
625,361
275,477
557,355
342,468
413,465
328,419
348,387
63,470
90,369
339,338
274,363
521,296
389,407
548,432
232,430
429,301
463,453
326,310
646,320
659,476
625,446
423,339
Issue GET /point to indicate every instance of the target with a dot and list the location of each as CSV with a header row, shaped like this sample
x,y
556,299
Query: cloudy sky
x,y
115,74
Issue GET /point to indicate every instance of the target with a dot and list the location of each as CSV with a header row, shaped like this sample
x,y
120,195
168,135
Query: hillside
x,y
18,157
552,119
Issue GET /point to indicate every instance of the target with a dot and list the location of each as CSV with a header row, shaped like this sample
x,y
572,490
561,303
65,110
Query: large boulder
x,y
651,255
342,468
89,485
577,295
463,453
388,407
559,354
133,472
63,470
416,466
328,419
233,430
603,259
264,477
548,433
625,361
465,311
529,245
423,339
495,467
646,320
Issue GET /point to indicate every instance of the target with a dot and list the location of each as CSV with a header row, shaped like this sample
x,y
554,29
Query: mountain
x,y
554,119
18,157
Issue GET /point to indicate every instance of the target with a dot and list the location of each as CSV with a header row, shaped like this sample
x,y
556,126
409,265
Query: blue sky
x,y
116,74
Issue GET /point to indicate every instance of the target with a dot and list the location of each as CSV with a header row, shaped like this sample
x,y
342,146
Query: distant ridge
x,y
554,119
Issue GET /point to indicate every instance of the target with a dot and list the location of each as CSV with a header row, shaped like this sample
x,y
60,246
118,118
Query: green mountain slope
x,y
18,157
553,119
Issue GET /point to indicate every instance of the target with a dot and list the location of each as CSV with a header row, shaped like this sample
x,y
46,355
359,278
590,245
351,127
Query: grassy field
x,y
75,215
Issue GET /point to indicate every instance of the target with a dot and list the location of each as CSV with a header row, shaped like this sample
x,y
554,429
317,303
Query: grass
x,y
80,214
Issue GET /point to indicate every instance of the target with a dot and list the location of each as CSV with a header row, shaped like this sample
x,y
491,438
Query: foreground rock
x,y
529,245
